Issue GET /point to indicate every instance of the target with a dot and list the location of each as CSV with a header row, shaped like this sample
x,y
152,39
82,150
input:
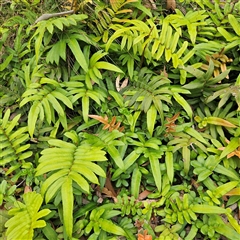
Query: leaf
x,y
67,201
231,147
110,125
135,182
32,117
219,122
227,231
235,24
186,158
207,209
233,192
95,57
118,87
227,172
223,189
6,62
85,107
25,217
155,166
192,132
151,119
169,165
110,227
182,102
144,236
108,66
78,54
114,153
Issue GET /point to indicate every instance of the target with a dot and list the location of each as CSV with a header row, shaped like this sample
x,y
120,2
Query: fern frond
x,y
13,144
26,217
148,90
67,163
46,99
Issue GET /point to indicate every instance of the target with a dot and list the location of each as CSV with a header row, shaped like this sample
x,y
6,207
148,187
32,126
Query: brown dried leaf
x,y
27,189
144,236
101,119
143,194
123,85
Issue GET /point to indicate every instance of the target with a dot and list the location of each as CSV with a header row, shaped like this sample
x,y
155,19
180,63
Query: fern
x,y
13,143
26,217
146,39
67,163
152,90
46,97
49,26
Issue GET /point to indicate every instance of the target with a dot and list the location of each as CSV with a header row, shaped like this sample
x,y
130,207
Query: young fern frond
x,y
26,217
13,143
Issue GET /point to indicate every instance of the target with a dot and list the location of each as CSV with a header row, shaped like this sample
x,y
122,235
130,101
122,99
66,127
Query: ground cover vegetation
x,y
120,120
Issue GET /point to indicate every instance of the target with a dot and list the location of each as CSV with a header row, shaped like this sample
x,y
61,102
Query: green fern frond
x,y
67,163
148,90
26,217
13,144
46,97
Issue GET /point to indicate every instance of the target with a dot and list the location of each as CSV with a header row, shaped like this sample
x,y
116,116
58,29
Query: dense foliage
x,y
120,120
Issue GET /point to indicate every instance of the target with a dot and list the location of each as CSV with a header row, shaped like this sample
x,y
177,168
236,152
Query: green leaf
x,y
6,62
85,107
12,124
227,172
54,189
151,119
88,173
227,231
186,158
60,96
182,102
50,180
82,183
155,167
192,132
232,146
55,104
135,182
110,227
67,201
219,122
108,66
49,232
95,57
78,54
227,35
169,165
114,153
25,217
234,23
207,209
32,117
225,188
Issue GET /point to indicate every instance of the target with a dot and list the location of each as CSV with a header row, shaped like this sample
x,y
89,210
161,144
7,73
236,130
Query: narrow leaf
x,y
151,119
78,54
232,145
220,122
67,201
108,66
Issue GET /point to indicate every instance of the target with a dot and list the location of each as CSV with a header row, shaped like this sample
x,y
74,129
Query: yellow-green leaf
x,y
67,201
